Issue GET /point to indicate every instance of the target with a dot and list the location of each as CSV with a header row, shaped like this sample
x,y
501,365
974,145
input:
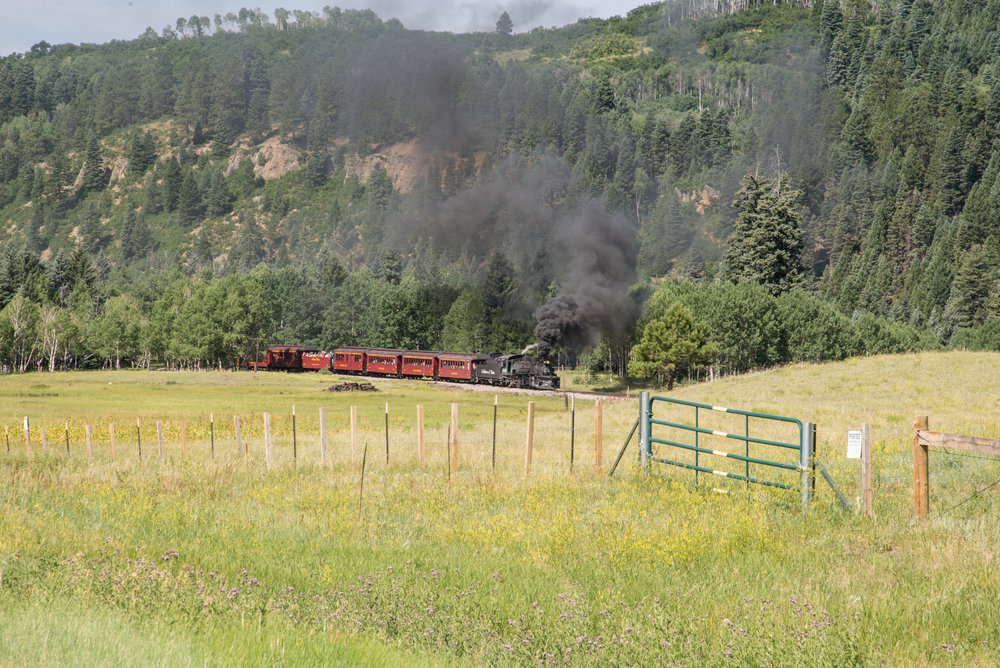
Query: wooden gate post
x,y
454,438
866,469
420,435
184,439
598,437
322,436
159,437
267,439
921,492
530,439
354,434
239,444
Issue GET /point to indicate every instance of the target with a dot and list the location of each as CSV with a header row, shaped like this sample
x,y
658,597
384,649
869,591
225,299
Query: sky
x,y
98,21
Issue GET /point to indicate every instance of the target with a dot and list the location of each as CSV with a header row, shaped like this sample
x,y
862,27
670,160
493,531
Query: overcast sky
x,y
28,22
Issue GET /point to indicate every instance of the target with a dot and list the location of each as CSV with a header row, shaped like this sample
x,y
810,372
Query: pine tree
x,y
670,345
971,289
93,166
766,244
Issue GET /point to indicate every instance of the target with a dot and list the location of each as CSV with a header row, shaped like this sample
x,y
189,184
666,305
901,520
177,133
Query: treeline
x,y
70,313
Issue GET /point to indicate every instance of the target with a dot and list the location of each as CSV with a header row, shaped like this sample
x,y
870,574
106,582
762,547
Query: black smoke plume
x,y
596,258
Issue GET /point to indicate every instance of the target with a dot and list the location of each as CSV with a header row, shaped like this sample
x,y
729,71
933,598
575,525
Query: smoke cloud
x,y
596,259
555,235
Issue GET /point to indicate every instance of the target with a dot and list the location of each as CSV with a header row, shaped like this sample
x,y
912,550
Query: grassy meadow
x,y
207,557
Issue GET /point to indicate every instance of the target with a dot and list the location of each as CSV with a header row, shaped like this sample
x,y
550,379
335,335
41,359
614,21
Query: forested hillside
x,y
336,179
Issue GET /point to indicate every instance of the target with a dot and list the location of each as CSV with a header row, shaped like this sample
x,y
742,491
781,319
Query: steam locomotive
x,y
519,370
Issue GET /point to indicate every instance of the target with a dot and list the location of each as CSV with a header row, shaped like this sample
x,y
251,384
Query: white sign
x,y
854,445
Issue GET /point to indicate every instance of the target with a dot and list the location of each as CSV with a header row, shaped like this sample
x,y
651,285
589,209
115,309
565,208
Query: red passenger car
x,y
316,361
349,360
385,362
287,357
420,363
457,366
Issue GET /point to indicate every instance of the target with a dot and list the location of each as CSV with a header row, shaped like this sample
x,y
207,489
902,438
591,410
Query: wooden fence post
x,y
239,436
496,403
387,433
138,438
184,439
354,434
866,469
598,436
159,437
6,435
921,492
572,431
454,438
530,439
322,436
67,436
27,438
45,441
90,442
211,433
267,439
111,435
420,435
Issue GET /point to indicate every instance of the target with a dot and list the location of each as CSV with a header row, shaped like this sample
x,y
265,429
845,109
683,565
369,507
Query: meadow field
x,y
205,556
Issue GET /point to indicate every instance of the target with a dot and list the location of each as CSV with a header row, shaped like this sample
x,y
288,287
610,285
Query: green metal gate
x,y
672,431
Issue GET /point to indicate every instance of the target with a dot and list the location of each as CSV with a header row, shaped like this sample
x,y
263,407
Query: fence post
x,y
295,448
159,437
239,439
420,435
572,431
111,436
805,464
354,434
90,442
211,433
67,437
529,441
645,446
138,438
387,433
6,435
866,469
27,438
598,436
921,491
454,438
45,442
322,436
184,439
496,402
267,439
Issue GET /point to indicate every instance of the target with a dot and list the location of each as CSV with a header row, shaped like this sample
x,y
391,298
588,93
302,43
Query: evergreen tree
x,y
971,289
90,229
504,25
189,205
670,345
93,166
766,244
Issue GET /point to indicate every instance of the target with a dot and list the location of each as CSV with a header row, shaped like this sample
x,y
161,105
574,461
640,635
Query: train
x,y
519,370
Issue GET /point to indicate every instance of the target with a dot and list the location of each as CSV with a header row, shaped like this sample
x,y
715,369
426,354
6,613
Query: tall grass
x,y
219,561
